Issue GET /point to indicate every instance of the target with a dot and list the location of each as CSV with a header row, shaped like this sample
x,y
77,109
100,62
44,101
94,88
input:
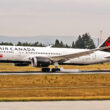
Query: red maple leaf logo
x,y
107,43
1,55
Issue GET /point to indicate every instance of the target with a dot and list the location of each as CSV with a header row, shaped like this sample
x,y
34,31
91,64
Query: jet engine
x,y
40,62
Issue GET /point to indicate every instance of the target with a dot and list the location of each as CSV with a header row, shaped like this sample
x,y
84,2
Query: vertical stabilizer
x,y
106,43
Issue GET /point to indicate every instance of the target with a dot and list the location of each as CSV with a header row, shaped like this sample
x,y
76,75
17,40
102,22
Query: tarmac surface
x,y
75,71
56,105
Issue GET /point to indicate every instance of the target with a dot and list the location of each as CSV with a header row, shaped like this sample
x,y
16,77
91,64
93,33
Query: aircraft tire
x,y
55,69
45,69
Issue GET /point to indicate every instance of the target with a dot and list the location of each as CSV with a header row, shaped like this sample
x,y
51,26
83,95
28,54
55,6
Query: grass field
x,y
54,87
11,67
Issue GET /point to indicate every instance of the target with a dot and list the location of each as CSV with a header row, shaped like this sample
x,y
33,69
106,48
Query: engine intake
x,y
40,62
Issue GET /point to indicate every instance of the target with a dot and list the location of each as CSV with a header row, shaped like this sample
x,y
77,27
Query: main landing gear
x,y
56,69
50,70
45,69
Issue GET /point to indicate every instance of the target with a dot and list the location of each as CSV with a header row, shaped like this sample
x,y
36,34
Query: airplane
x,y
45,56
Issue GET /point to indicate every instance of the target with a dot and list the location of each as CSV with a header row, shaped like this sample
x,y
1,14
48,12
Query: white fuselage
x,y
20,53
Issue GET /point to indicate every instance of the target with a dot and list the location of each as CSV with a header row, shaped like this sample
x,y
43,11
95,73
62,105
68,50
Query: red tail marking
x,y
107,43
1,55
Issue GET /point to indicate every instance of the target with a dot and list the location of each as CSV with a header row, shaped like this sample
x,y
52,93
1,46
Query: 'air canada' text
x,y
17,48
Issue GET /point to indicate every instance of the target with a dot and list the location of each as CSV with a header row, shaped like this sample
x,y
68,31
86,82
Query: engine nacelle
x,y
40,62
21,64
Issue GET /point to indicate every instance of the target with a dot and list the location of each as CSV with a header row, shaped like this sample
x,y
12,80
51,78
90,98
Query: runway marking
x,y
79,87
54,73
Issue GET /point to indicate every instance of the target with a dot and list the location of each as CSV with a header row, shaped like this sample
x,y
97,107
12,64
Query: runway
x,y
52,73
56,105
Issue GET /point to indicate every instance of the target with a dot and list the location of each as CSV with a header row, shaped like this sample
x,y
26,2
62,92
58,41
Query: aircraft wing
x,y
76,55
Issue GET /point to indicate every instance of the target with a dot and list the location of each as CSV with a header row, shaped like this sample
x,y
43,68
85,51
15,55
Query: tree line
x,y
84,41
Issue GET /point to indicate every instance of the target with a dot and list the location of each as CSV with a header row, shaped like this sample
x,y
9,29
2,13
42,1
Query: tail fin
x,y
106,43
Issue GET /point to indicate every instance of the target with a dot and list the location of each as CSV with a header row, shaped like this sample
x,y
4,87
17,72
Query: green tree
x,y
85,42
60,44
19,44
73,45
57,43
6,43
78,43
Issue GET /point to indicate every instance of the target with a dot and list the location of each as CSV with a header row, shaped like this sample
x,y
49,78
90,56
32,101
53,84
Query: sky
x,y
54,17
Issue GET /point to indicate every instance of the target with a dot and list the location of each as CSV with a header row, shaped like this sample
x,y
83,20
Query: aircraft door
x,y
17,54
